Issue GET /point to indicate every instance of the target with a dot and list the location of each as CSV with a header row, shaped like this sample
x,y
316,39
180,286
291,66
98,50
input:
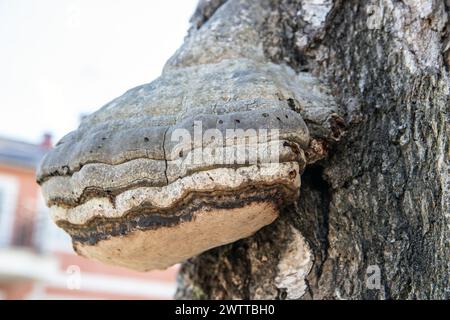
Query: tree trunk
x,y
372,218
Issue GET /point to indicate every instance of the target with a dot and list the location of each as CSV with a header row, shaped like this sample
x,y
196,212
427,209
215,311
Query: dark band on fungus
x,y
148,218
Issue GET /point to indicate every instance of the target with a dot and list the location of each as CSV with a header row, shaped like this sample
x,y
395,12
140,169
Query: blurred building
x,y
36,257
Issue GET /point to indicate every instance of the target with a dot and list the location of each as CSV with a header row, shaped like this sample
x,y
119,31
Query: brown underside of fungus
x,y
154,177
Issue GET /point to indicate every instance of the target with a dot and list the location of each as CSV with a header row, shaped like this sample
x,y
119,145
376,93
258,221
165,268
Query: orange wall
x,y
16,290
27,200
66,259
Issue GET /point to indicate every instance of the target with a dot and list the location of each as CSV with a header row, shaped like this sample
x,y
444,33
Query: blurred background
x,y
59,61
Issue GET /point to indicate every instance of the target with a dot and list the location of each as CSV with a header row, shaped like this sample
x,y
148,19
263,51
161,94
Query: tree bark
x,y
378,204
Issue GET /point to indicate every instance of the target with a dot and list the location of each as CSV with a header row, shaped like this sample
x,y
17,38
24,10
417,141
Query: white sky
x,y
62,58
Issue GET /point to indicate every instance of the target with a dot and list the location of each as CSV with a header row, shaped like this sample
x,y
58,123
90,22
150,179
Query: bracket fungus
x,y
205,155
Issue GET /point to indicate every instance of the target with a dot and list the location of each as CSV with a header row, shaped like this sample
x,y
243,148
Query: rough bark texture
x,y
381,197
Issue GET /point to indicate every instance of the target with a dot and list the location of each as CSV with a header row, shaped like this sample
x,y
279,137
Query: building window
x,y
8,203
47,236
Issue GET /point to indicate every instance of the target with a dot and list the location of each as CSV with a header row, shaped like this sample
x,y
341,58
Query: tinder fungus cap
x,y
207,154
130,188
